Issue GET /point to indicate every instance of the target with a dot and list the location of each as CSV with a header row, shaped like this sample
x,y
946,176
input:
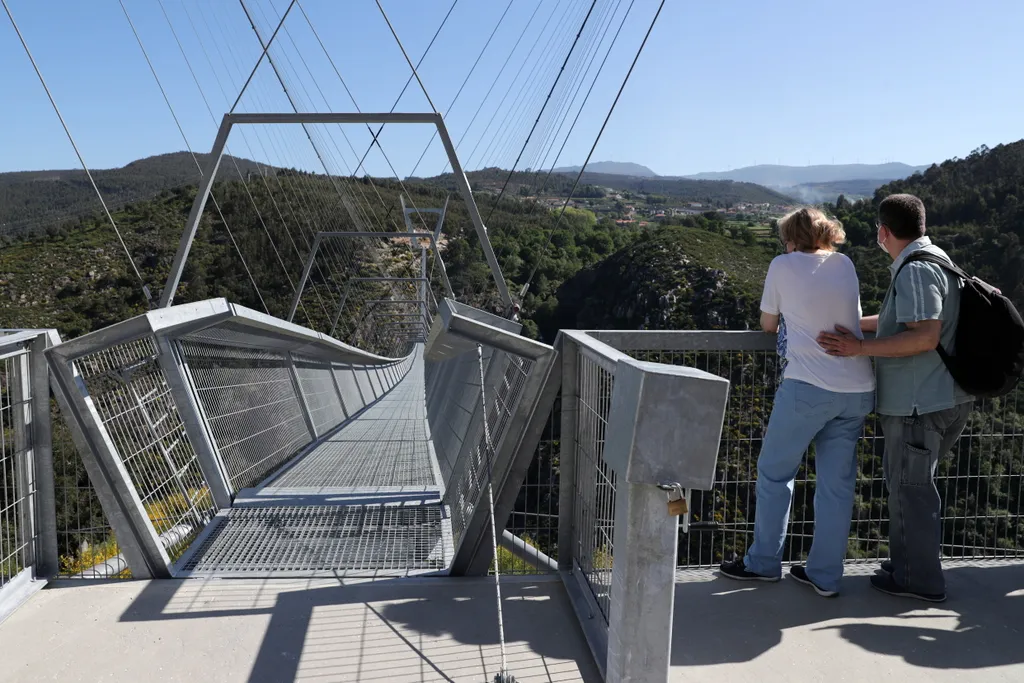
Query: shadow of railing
x,y
427,629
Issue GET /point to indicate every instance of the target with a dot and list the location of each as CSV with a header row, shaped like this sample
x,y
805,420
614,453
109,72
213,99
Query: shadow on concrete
x,y
720,621
407,629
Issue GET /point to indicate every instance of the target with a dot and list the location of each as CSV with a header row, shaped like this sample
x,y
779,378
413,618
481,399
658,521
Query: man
x,y
922,410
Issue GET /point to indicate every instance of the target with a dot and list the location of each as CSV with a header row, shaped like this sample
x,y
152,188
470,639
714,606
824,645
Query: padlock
x,y
676,499
677,507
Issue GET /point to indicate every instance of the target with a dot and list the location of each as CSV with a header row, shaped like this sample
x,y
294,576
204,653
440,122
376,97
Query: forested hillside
x,y
974,212
709,192
32,201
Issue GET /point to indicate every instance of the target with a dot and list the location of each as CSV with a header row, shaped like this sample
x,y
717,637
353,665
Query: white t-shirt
x,y
814,293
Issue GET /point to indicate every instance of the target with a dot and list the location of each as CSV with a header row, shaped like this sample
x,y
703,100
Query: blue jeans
x,y
804,413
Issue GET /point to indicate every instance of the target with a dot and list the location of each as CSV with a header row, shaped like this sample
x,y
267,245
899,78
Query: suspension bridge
x,y
325,447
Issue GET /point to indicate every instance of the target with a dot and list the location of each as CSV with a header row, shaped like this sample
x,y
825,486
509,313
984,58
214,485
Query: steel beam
x,y
217,152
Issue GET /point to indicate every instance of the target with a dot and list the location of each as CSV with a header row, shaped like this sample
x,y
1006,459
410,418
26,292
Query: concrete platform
x,y
738,631
279,630
444,629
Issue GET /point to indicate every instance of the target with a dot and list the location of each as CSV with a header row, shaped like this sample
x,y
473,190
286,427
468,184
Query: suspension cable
x,y
88,173
597,139
188,146
541,112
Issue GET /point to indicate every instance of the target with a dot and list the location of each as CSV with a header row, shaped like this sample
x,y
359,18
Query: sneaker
x,y
736,570
886,584
887,566
799,572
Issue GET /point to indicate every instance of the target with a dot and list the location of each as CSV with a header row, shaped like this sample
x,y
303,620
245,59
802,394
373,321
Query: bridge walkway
x,y
363,501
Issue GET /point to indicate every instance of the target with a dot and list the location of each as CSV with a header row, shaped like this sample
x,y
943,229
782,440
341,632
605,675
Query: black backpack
x,y
989,356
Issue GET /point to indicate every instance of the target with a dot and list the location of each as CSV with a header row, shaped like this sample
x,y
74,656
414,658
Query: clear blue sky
x,y
721,84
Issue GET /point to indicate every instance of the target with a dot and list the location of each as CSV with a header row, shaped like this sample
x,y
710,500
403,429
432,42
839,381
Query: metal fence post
x,y
297,385
47,560
20,387
190,411
567,451
664,426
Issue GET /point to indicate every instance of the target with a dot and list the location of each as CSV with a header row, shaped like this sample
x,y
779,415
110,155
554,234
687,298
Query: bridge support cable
x,y
375,136
316,83
582,106
352,172
78,153
345,199
530,101
564,102
597,139
465,81
494,82
471,158
321,153
243,178
544,106
188,146
326,221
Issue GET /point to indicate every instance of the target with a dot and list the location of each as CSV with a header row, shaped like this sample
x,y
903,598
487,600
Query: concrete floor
x,y
278,630
733,631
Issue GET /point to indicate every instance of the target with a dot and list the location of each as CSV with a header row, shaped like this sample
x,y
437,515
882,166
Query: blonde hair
x,y
810,229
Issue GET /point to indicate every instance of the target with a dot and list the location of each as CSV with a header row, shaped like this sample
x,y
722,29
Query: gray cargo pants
x,y
913,447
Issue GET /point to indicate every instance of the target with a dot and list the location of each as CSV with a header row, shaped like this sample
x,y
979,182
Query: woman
x,y
822,399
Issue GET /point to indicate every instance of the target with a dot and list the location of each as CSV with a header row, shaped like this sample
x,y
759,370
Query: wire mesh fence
x,y
133,400
251,406
534,518
594,511
16,534
86,545
981,483
468,475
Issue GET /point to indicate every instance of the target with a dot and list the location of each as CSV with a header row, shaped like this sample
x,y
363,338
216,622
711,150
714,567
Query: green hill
x,y
31,201
708,192
974,212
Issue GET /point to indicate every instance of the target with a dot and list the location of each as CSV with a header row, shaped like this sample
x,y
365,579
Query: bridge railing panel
x,y
134,407
178,409
630,430
251,407
478,444
981,484
28,531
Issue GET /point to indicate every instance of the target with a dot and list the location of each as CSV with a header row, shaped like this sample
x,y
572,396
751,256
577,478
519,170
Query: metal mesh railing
x,y
16,535
594,509
86,545
981,484
321,394
134,402
468,478
534,518
457,423
251,406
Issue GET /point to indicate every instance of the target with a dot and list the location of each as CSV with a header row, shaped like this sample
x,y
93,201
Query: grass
x,y
92,556
743,263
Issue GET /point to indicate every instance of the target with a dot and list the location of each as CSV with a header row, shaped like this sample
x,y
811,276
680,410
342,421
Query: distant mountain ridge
x,y
627,168
776,176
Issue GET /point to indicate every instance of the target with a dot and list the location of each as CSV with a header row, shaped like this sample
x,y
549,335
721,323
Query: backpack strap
x,y
927,257
935,259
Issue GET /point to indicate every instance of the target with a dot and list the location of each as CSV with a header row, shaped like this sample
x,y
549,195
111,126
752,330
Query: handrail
x,y
184,319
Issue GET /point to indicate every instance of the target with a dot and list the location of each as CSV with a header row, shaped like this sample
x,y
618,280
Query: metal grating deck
x,y
363,540
358,464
